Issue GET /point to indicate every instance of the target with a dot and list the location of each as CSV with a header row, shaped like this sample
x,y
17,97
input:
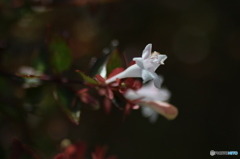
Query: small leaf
x,y
86,78
100,79
115,72
61,58
68,102
114,62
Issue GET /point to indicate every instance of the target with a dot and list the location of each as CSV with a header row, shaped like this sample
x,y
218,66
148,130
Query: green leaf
x,y
10,106
114,61
69,103
87,79
61,58
39,100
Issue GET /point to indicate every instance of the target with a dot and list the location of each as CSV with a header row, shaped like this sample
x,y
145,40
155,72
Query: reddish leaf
x,y
99,153
100,78
109,93
84,90
21,151
90,100
132,63
74,151
115,72
61,156
107,105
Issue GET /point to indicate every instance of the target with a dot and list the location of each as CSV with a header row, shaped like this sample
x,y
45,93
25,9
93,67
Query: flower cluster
x,y
151,94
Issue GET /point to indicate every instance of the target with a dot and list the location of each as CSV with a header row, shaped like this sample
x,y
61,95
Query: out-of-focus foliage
x,y
113,62
56,38
60,54
87,79
69,103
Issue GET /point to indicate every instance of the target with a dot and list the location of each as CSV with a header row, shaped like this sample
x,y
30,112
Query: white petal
x,y
157,80
150,92
146,111
149,113
147,52
162,58
153,118
132,71
139,61
146,76
132,95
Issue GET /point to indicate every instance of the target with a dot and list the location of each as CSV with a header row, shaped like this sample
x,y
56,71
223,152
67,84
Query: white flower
x,y
153,98
145,67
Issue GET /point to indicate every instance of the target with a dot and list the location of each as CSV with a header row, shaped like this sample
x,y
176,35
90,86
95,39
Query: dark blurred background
x,y
201,39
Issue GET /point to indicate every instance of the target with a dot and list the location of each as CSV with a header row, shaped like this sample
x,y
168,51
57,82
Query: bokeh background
x,y
201,39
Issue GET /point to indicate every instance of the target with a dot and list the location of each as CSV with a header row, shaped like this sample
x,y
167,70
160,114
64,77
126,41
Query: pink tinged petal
x,y
136,107
132,71
165,109
147,52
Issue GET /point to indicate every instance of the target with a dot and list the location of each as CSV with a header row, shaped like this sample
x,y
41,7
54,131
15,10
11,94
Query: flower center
x,y
155,58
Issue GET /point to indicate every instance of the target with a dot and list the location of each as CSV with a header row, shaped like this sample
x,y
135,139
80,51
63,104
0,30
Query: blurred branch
x,y
56,79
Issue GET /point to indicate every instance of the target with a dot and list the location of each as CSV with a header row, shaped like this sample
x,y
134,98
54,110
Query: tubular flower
x,y
153,98
144,67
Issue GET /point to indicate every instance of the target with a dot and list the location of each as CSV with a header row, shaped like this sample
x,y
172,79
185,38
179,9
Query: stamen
x,y
154,56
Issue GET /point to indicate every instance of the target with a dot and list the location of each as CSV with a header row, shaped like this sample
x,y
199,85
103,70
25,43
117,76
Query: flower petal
x,y
153,118
165,109
147,52
149,113
131,71
139,62
157,80
146,76
162,58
